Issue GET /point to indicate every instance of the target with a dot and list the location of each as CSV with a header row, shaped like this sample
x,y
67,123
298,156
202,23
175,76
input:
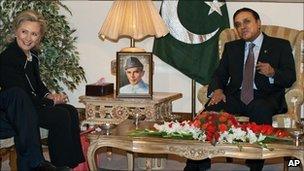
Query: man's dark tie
x,y
247,84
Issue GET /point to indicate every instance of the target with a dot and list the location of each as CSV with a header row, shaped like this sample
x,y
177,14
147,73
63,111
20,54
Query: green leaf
x,y
150,133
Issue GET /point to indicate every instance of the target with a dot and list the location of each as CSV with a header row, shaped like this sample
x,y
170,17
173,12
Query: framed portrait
x,y
134,74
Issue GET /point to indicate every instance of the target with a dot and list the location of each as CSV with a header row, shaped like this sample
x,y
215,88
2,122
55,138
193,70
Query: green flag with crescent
x,y
192,44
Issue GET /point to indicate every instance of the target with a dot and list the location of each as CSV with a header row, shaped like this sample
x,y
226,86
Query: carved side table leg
x,y
13,159
130,160
0,162
148,164
286,159
302,163
91,156
3,152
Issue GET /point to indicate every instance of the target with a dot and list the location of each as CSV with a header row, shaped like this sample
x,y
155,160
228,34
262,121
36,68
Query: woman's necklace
x,y
28,56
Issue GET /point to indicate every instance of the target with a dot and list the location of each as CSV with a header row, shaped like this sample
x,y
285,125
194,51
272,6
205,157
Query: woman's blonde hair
x,y
29,15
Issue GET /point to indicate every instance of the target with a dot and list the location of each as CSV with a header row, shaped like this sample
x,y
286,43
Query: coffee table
x,y
191,149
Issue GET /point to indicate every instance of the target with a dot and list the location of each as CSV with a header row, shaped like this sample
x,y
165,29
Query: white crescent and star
x,y
215,6
178,31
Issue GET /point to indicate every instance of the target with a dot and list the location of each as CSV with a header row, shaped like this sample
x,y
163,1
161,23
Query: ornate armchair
x,y
294,95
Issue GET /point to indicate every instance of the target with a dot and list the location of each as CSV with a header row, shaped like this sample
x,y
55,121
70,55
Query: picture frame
x,y
134,75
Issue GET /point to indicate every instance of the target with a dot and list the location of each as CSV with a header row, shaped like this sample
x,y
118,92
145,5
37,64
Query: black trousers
x,y
259,110
203,165
19,119
64,134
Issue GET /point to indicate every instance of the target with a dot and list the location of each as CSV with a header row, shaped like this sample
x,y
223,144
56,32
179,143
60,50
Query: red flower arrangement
x,y
264,129
216,127
214,123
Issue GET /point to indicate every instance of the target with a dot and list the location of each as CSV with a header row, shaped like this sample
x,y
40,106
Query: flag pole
x,y
193,97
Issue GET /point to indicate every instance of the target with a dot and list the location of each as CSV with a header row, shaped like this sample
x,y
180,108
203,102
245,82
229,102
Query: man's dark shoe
x,y
255,165
64,168
198,165
45,166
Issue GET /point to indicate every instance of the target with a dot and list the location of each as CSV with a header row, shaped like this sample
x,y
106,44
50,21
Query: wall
x,y
96,55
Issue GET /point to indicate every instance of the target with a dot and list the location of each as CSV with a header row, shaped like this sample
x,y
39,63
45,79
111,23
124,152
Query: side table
x,y
110,109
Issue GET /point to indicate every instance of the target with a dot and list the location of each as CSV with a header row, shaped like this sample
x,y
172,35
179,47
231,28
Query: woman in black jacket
x,y
19,67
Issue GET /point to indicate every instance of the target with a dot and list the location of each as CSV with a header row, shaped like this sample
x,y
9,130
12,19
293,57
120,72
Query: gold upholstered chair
x,y
294,95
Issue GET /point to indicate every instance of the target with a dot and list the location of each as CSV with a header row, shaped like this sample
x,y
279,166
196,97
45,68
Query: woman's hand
x,y
58,98
217,96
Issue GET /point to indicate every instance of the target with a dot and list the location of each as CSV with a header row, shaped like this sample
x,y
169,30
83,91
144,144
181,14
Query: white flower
x,y
251,136
234,135
159,127
239,134
261,137
184,128
230,138
223,136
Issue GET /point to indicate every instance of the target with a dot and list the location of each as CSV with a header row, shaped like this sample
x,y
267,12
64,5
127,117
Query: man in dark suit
x,y
19,119
273,72
252,76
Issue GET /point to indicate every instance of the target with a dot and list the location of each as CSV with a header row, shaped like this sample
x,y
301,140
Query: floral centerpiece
x,y
173,129
214,123
224,128
216,128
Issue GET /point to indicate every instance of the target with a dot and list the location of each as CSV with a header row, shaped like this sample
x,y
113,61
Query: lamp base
x,y
132,49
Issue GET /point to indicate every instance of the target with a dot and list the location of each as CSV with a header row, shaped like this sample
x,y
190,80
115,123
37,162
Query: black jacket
x,y
277,52
16,71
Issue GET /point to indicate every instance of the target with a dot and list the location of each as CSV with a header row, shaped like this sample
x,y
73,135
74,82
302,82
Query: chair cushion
x,y
8,142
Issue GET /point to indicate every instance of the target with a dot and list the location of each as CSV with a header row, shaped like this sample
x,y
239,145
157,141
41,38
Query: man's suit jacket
x,y
16,71
277,52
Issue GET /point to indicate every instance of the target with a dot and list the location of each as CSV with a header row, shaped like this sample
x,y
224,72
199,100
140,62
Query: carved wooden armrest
x,y
7,142
294,98
295,95
202,95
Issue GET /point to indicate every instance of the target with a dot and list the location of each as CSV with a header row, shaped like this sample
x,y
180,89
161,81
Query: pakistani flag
x,y
192,45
